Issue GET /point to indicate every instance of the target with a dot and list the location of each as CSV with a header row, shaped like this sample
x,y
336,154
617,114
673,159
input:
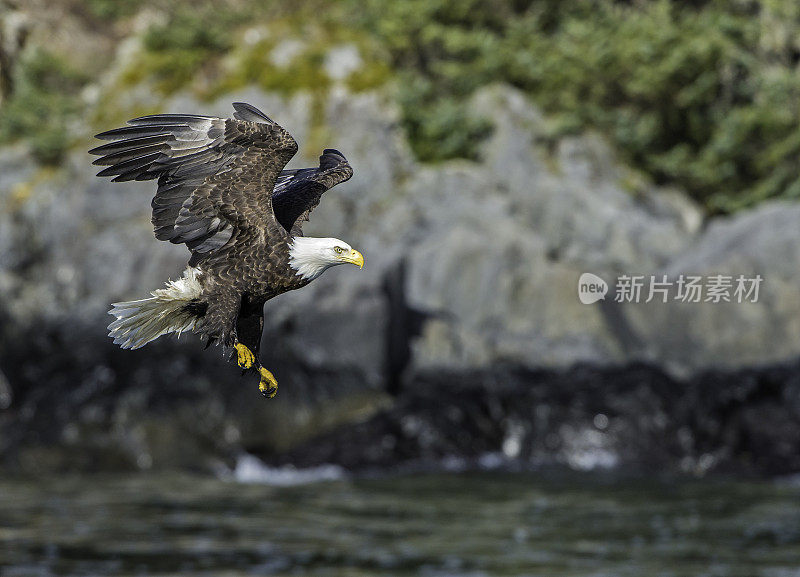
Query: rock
x,y
6,395
499,247
286,51
636,418
341,61
470,266
686,337
590,210
504,242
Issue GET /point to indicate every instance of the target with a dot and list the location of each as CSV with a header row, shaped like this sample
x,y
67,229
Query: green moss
x,y
370,76
169,71
111,9
304,72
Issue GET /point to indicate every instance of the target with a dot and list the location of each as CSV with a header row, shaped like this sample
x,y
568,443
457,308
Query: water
x,y
433,525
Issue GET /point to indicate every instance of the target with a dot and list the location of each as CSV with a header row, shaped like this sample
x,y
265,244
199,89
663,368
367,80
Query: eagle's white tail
x,y
139,322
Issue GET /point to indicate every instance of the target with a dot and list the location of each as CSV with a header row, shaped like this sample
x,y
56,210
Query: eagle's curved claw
x,y
268,385
244,356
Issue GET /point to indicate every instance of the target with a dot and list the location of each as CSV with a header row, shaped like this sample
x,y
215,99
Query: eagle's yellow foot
x,y
244,356
268,385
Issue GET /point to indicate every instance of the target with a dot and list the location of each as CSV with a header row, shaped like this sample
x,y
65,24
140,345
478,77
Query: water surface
x,y
476,524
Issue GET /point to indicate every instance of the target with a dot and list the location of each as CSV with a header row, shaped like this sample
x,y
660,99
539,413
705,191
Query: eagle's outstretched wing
x,y
298,191
215,175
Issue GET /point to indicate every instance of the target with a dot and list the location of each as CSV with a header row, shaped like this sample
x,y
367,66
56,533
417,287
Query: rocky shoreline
x,y
463,336
165,412
636,419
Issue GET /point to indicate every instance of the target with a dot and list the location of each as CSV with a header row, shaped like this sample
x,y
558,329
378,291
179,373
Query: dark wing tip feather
x,y
142,131
331,158
298,191
129,154
250,113
130,144
133,164
168,119
113,134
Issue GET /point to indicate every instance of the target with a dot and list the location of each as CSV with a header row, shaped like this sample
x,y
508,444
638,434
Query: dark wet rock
x,y
83,404
636,418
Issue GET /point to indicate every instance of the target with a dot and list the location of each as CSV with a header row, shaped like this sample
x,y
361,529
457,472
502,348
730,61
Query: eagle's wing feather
x,y
215,176
298,192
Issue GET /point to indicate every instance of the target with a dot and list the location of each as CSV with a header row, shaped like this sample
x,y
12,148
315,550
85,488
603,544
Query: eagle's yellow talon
x,y
244,356
268,385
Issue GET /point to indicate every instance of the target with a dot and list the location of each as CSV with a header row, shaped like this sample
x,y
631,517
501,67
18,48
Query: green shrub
x,y
192,38
438,128
704,95
45,98
689,92
191,29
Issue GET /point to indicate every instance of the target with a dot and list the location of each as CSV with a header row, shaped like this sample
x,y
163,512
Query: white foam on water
x,y
250,469
587,449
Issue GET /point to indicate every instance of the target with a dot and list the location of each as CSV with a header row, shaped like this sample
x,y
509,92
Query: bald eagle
x,y
224,193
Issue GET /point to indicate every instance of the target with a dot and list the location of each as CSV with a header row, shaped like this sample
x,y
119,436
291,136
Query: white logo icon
x,y
591,288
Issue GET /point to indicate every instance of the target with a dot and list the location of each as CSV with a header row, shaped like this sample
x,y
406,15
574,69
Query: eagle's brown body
x,y
223,191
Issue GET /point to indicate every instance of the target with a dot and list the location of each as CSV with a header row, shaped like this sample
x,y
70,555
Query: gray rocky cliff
x,y
469,266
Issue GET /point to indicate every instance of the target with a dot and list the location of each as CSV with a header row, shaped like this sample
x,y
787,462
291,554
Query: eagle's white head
x,y
311,257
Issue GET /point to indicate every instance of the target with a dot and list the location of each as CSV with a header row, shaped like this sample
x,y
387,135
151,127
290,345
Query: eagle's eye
x,y
338,249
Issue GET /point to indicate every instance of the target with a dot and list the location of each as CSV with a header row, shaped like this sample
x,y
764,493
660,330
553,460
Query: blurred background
x,y
453,409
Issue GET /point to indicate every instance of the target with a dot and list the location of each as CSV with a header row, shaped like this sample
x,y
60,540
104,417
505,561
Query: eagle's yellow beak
x,y
353,257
